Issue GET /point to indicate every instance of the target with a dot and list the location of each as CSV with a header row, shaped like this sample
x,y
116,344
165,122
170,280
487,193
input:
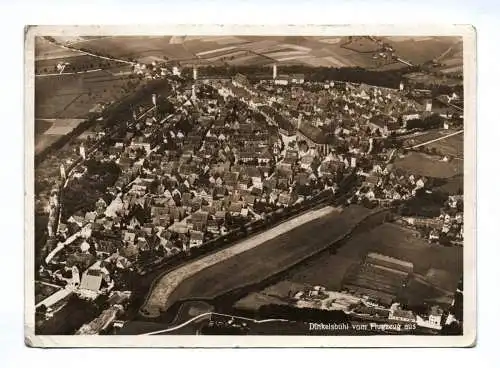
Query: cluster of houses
x,y
386,185
448,227
186,178
317,297
216,161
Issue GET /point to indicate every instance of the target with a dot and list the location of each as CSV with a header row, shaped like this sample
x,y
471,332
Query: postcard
x,y
250,186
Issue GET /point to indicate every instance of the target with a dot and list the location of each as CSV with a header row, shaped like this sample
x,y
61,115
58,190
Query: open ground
x,y
437,268
314,51
421,164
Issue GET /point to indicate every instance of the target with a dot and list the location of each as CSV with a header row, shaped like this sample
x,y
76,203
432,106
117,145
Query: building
x,y
297,79
314,137
240,80
195,239
91,283
103,322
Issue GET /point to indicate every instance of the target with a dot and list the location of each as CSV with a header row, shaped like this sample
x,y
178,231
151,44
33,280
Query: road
x,y
89,53
68,73
437,139
210,314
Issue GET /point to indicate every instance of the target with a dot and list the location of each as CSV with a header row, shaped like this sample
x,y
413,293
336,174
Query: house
x,y
284,199
297,78
92,281
402,315
90,216
213,227
220,216
195,239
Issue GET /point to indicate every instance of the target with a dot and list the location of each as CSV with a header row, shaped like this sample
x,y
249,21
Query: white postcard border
x,y
470,319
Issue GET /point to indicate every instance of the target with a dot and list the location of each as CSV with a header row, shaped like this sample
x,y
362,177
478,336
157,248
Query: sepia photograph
x,y
217,186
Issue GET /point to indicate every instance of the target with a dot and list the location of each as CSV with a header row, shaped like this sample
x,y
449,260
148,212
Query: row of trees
x,y
390,78
430,122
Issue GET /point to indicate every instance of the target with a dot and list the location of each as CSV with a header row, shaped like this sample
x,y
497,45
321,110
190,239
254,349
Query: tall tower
x,y
401,86
428,105
275,71
82,151
195,73
153,98
193,92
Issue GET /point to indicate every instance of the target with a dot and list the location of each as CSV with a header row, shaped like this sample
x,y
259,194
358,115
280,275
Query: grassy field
x,y
452,146
417,163
74,63
45,50
74,96
398,242
316,51
453,185
48,131
419,50
327,271
276,294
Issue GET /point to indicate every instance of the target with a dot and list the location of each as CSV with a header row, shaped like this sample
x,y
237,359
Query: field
x,y
451,146
45,50
398,242
327,270
419,50
255,50
453,185
313,51
75,95
247,268
420,164
48,131
438,266
276,294
429,79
